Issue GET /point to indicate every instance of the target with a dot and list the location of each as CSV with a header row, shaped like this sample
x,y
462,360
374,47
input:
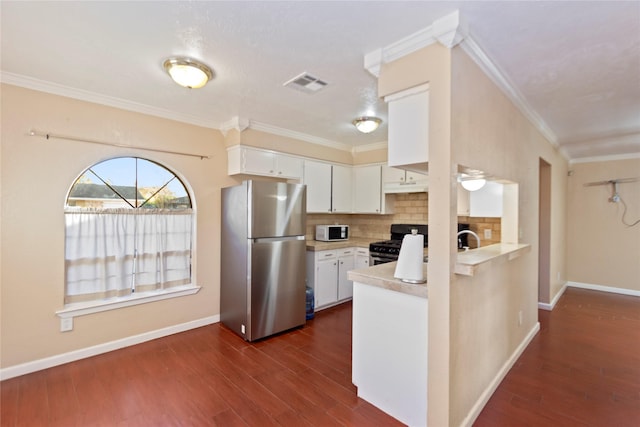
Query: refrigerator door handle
x,y
277,239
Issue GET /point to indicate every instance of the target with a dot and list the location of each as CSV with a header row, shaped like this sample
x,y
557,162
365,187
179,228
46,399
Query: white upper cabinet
x,y
409,128
463,201
367,194
487,201
396,180
317,177
329,187
254,161
341,190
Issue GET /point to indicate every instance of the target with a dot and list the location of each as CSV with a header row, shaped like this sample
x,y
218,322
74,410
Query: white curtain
x,y
113,252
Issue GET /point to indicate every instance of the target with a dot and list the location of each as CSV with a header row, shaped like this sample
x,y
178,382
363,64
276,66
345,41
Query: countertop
x,y
381,275
467,262
353,242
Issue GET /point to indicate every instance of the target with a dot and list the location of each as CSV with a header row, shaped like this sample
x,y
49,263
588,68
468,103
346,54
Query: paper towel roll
x,y
409,267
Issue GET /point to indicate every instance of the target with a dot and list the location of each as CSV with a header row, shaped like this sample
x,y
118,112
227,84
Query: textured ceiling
x,y
576,65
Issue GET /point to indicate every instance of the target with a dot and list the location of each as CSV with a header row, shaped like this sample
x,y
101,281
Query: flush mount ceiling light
x,y
188,72
367,124
471,183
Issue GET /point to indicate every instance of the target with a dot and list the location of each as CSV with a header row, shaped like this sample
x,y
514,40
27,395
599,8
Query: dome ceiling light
x,y
471,182
367,124
188,72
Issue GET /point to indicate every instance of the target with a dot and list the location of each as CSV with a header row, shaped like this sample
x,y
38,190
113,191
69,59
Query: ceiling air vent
x,y
306,83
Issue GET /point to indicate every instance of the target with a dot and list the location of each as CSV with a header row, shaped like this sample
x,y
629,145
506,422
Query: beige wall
x,y
601,250
36,176
490,134
473,327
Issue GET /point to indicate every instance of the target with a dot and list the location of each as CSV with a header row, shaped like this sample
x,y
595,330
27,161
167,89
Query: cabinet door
x,y
326,289
416,177
408,127
258,162
392,175
487,201
317,177
345,286
367,189
362,258
288,167
341,194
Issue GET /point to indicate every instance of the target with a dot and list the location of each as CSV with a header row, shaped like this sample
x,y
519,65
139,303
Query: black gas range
x,y
388,250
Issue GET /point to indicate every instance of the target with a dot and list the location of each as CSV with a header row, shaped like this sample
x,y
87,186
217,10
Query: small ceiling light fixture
x,y
188,72
471,183
367,124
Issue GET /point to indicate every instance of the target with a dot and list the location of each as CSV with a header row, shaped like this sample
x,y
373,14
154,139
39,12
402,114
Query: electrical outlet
x,y
487,233
558,275
66,324
242,329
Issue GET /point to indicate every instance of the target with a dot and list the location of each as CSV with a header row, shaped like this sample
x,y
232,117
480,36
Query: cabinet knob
x,y
279,172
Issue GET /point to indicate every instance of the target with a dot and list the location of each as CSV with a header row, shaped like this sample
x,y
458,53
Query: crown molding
x,y
496,75
97,98
370,147
450,31
237,123
446,30
610,158
264,127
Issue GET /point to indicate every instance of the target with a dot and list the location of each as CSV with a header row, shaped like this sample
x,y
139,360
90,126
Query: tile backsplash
x,y
410,208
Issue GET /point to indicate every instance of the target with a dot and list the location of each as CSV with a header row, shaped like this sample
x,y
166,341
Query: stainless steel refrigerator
x,y
262,251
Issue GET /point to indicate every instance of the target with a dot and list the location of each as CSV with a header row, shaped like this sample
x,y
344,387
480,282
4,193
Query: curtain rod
x,y
48,135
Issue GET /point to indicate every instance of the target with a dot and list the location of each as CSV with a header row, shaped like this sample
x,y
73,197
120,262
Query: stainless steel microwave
x,y
329,233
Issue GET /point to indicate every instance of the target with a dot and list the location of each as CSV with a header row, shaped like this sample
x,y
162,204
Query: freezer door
x,y
276,209
277,286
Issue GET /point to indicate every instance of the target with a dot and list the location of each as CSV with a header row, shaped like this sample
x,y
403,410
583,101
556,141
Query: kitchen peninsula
x,y
390,330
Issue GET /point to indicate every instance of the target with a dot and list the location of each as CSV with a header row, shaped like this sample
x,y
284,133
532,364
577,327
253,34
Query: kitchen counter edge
x,y
354,242
381,275
468,262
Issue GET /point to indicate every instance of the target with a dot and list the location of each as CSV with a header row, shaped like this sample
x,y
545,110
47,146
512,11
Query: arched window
x,y
128,228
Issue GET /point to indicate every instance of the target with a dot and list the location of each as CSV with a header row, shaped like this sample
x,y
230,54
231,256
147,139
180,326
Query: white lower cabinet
x,y
346,262
362,258
327,274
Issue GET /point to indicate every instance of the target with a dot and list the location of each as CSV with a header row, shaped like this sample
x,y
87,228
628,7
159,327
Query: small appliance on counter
x,y
409,268
331,233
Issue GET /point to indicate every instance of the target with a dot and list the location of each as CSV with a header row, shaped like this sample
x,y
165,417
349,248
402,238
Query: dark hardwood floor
x,y
203,377
582,369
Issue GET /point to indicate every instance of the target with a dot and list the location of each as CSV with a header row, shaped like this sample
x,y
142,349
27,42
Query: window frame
x,y
75,309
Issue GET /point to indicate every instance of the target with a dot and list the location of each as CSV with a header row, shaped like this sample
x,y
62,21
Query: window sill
x,y
83,308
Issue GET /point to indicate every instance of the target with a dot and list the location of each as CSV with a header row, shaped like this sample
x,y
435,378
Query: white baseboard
x,y
603,288
60,359
491,388
554,301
